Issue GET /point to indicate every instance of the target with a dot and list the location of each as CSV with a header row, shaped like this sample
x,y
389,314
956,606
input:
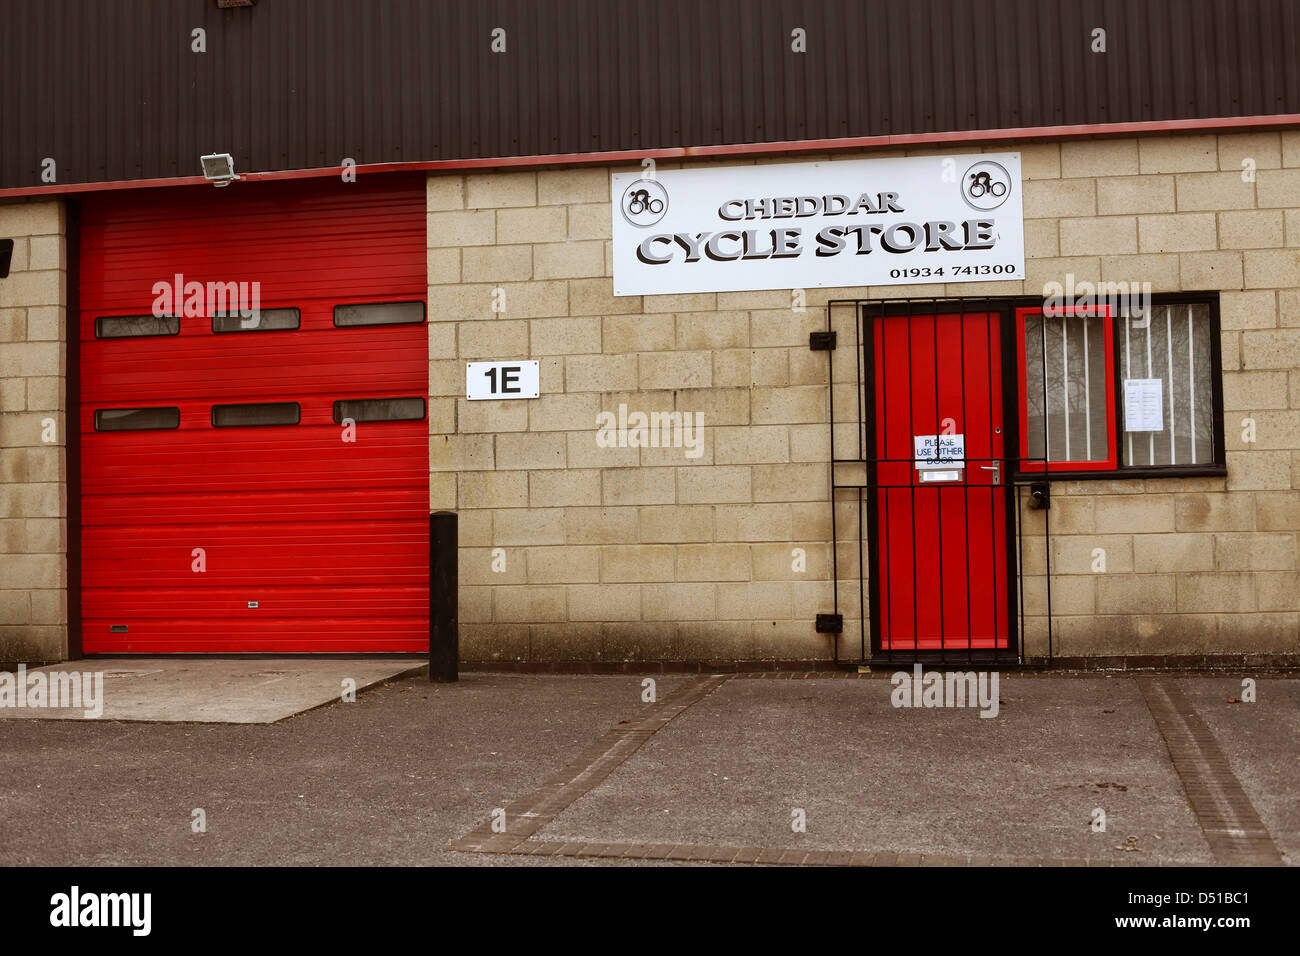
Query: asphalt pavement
x,y
818,764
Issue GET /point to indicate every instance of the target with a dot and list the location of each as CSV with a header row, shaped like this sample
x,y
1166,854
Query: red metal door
x,y
225,533
941,550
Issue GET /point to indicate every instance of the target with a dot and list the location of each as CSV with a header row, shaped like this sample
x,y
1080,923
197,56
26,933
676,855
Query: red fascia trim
x,y
687,152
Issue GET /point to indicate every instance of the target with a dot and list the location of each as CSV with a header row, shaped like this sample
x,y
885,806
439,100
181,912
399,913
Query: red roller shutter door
x,y
273,538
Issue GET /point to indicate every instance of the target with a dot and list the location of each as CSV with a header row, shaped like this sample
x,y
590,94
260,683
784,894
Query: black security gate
x,y
928,540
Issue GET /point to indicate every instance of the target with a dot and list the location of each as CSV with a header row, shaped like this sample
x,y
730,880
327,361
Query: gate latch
x,y
1039,499
996,468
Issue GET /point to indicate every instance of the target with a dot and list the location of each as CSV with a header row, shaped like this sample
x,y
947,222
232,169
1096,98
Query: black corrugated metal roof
x,y
112,91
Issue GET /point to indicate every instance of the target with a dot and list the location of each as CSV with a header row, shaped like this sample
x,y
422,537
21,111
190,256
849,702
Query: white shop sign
x,y
902,221
502,380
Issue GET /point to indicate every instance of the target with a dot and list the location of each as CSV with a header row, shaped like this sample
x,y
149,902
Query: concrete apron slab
x,y
179,690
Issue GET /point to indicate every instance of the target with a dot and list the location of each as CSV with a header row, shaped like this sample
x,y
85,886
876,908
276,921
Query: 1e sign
x,y
501,380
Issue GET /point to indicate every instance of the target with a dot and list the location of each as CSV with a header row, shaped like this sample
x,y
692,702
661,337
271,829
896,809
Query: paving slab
x,y
871,777
211,690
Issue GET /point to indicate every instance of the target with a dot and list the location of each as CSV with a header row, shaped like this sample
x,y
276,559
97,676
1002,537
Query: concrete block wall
x,y
610,553
33,489
1192,565
626,553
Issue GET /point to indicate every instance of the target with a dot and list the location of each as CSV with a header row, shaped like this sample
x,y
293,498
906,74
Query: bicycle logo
x,y
985,185
644,202
981,184
641,201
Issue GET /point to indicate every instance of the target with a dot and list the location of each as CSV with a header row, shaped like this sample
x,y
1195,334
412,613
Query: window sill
x,y
1119,474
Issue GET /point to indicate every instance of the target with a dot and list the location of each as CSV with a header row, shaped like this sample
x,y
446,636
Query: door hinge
x,y
830,623
821,341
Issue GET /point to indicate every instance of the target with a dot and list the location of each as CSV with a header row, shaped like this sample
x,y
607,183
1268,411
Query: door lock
x,y
996,468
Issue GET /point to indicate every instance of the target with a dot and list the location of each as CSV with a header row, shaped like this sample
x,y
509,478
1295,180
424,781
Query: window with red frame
x,y
1105,390
1067,394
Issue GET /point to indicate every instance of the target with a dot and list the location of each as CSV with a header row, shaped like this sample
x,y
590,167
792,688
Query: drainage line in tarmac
x,y
534,811
1232,828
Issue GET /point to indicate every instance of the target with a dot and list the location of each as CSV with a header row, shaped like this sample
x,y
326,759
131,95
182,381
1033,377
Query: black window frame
x,y
423,320
95,420
99,319
1216,468
212,415
424,409
297,313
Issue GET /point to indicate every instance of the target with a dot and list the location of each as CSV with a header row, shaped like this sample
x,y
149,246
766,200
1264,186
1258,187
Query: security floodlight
x,y
219,168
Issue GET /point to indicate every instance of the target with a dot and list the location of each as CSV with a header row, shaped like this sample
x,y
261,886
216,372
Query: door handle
x,y
996,468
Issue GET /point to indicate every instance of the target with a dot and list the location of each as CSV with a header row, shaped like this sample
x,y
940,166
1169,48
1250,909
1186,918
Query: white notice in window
x,y
1143,408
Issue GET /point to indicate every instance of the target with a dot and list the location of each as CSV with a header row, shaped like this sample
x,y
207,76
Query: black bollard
x,y
444,639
